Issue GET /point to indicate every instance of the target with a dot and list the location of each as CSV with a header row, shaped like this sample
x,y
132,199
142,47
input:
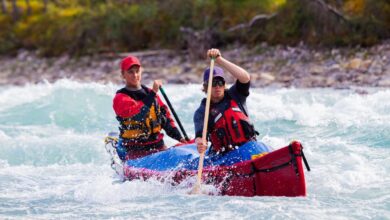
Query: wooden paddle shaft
x,y
206,120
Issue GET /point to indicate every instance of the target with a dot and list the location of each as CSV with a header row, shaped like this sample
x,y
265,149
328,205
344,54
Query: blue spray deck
x,y
187,157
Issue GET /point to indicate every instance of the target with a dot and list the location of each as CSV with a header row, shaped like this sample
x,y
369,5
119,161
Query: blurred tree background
x,y
78,27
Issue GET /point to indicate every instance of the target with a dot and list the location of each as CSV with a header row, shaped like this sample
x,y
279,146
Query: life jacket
x,y
229,127
144,129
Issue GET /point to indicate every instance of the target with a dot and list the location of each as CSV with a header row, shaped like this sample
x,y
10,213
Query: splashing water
x,y
53,164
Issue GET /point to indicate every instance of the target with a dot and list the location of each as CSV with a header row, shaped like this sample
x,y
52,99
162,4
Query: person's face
x,y
217,89
132,76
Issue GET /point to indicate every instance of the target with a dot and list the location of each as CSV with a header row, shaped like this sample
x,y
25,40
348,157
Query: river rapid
x,y
53,164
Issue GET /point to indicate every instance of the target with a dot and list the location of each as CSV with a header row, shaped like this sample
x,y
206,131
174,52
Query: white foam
x,y
311,109
16,96
53,163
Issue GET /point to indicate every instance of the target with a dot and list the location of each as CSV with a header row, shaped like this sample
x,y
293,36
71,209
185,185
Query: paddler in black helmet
x,y
141,114
228,126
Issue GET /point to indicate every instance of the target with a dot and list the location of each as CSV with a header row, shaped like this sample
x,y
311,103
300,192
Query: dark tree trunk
x,y
3,7
15,11
45,5
327,19
197,42
28,7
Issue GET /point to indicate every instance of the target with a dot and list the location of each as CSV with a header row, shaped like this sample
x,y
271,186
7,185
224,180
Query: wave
x,y
65,122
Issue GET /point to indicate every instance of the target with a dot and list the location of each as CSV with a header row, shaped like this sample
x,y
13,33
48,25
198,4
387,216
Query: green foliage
x,y
364,22
7,42
94,26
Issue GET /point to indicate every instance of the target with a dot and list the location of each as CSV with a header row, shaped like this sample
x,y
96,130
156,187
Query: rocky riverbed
x,y
273,66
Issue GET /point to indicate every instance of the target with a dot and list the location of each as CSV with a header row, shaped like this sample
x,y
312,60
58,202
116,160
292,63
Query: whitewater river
x,y
53,164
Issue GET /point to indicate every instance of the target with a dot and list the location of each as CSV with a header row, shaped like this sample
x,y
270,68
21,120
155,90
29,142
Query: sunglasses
x,y
217,82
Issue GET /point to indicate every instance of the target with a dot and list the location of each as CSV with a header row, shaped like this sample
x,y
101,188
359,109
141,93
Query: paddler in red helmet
x,y
141,114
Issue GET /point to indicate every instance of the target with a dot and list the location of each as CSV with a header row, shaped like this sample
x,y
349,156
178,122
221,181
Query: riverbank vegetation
x,y
79,27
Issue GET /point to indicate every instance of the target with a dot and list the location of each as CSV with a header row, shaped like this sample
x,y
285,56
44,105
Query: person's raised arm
x,y
239,73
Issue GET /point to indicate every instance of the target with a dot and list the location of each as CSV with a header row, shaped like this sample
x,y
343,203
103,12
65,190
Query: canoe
x,y
252,169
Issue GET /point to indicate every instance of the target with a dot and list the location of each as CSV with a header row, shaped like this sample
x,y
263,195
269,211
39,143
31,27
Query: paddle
x,y
196,188
174,113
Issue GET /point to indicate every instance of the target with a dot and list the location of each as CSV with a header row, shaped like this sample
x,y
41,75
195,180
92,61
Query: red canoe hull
x,y
278,173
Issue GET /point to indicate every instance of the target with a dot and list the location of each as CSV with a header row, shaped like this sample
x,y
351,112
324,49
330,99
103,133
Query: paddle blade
x,y
195,190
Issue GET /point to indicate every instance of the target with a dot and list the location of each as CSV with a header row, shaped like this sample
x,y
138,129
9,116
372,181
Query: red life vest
x,y
230,128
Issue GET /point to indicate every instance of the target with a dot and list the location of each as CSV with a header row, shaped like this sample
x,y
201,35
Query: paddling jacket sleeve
x,y
238,91
198,120
125,106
